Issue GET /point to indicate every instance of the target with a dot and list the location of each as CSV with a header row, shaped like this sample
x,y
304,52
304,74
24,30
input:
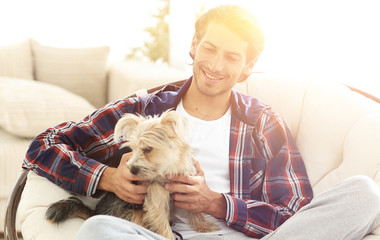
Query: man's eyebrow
x,y
210,44
229,52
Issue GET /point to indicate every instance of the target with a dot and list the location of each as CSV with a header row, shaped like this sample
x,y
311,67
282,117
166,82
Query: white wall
x,y
77,23
336,40
333,40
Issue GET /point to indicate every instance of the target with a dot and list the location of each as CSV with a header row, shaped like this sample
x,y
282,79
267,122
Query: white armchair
x,y
336,130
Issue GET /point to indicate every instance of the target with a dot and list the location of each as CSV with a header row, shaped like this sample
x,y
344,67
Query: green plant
x,y
157,47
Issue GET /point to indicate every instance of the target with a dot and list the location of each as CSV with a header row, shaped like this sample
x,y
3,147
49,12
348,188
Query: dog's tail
x,y
68,208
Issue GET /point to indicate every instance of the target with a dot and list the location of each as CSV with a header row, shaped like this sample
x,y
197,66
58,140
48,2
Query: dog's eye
x,y
147,149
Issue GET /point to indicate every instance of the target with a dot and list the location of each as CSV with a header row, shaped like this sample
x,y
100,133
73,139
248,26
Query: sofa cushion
x,y
16,60
29,107
82,71
127,77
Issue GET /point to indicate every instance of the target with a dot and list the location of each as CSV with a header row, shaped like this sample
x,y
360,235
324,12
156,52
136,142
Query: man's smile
x,y
211,77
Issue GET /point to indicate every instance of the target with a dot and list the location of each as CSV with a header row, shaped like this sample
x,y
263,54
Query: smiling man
x,y
218,66
251,178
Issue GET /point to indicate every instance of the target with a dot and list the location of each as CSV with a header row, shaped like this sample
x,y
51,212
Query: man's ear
x,y
248,70
194,44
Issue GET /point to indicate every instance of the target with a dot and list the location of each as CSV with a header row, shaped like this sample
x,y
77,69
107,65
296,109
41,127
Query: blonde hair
x,y
238,20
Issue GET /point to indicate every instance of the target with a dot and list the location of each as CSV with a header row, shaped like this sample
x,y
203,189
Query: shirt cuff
x,y
88,177
237,212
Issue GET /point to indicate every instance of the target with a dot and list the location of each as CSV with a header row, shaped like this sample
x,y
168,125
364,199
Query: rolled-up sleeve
x,y
74,155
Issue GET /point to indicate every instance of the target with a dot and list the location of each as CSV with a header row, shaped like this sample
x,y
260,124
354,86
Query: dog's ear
x,y
174,122
125,127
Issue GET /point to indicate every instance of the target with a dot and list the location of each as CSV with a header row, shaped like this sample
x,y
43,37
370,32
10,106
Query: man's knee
x,y
97,226
101,221
96,220
362,184
364,191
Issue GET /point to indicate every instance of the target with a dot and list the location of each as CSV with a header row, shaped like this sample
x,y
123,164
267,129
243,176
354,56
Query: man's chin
x,y
210,91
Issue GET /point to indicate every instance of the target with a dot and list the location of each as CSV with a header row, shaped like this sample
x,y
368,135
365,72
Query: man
x,y
251,178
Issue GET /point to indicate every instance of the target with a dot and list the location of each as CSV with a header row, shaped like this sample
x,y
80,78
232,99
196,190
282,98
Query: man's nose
x,y
217,63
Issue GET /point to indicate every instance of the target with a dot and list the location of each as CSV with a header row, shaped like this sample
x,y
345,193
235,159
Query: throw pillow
x,y
82,71
16,60
28,108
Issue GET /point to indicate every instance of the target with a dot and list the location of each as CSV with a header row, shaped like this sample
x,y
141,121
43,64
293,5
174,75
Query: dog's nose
x,y
134,170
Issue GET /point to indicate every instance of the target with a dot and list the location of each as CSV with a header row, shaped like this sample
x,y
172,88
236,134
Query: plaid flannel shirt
x,y
268,179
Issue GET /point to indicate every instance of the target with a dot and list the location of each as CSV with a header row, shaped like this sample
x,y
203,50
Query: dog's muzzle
x,y
134,170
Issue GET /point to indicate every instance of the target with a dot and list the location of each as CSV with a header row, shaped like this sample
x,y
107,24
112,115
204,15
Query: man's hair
x,y
238,20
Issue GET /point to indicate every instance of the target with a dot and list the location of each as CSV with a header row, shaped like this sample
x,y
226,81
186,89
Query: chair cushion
x,y
360,153
329,113
29,107
12,152
82,71
283,93
33,207
335,129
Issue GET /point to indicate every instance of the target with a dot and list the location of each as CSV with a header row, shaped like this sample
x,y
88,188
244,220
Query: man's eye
x,y
147,149
233,58
209,49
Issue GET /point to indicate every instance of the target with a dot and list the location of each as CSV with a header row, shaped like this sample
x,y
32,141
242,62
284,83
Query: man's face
x,y
220,60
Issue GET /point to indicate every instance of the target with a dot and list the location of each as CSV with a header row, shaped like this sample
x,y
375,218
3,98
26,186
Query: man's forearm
x,y
218,206
105,180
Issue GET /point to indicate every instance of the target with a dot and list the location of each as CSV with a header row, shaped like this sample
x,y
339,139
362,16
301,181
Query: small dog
x,y
158,149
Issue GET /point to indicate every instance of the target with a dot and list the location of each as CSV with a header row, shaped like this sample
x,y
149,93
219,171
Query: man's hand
x,y
193,194
120,181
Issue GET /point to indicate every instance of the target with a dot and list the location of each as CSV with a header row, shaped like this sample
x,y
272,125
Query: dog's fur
x,y
158,149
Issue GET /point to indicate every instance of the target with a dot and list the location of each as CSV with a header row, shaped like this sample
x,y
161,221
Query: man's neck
x,y
205,107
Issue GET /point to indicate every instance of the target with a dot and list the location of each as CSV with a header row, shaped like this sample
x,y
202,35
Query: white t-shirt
x,y
210,140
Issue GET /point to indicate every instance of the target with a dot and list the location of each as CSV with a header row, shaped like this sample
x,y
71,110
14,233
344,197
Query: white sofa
x,y
336,131
41,86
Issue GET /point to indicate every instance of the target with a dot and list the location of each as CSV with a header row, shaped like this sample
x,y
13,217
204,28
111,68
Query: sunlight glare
x,y
328,40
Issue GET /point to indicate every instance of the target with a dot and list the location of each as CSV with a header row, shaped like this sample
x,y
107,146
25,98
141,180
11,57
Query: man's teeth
x,y
211,76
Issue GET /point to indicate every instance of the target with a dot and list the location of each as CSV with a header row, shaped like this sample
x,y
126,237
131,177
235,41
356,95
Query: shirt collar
x,y
248,109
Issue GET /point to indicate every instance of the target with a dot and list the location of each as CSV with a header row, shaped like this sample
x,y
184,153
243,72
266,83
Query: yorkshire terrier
x,y
159,149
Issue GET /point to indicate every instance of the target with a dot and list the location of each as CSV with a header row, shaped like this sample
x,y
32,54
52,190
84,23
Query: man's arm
x,y
74,155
